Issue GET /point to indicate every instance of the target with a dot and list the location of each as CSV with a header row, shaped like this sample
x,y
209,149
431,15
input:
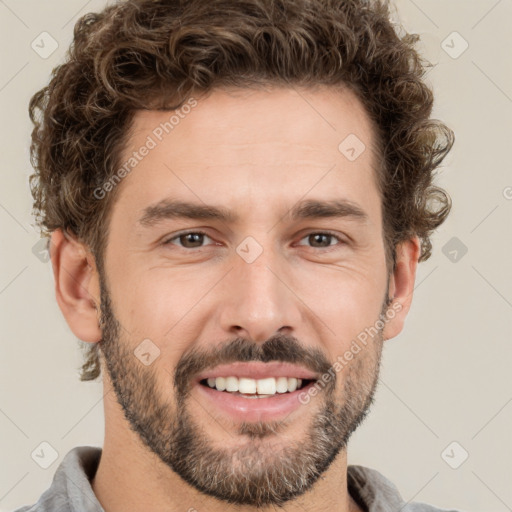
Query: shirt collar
x,y
72,485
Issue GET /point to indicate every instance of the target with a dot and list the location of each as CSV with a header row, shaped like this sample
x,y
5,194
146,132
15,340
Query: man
x,y
238,194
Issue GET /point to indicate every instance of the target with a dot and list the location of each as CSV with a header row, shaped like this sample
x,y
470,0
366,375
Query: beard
x,y
271,468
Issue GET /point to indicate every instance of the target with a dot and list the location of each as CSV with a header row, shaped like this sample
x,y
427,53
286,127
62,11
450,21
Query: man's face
x,y
264,286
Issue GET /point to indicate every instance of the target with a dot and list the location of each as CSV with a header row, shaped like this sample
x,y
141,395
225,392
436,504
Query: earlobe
x,y
401,286
76,285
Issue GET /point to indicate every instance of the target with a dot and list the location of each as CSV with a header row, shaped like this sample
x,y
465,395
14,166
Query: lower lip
x,y
255,409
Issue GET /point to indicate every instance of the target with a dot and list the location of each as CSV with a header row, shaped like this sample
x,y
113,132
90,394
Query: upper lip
x,y
257,370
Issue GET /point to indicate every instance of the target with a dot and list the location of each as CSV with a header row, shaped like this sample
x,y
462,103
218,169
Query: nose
x,y
259,301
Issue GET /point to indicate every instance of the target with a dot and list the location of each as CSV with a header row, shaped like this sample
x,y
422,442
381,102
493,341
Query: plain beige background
x,y
445,379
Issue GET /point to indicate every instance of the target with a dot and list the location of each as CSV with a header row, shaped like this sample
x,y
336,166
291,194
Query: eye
x,y
190,240
195,239
321,240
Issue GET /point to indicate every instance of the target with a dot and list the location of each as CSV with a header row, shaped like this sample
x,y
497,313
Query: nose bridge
x,y
258,302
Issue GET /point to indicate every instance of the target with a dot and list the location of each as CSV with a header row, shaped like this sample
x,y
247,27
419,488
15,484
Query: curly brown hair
x,y
155,54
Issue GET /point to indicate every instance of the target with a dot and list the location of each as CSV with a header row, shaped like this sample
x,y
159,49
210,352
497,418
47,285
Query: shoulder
x,y
70,490
371,489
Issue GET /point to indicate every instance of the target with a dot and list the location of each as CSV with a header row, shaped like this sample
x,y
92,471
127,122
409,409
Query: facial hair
x,y
272,468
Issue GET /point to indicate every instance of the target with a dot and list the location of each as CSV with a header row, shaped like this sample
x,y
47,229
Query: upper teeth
x,y
268,386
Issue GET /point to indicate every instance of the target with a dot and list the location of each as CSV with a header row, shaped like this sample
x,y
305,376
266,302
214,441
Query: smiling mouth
x,y
251,388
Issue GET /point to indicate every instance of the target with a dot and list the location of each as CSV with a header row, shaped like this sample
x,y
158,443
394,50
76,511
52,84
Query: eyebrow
x,y
307,209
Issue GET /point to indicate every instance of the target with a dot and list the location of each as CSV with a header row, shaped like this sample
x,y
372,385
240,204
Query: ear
x,y
76,286
401,286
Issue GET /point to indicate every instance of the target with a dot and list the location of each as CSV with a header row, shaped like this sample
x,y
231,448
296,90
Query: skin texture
x,y
256,153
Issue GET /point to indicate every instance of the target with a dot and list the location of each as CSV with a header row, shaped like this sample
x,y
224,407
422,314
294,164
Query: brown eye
x,y
321,240
190,240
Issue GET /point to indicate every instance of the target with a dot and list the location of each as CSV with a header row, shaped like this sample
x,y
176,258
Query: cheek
x,y
155,304
347,300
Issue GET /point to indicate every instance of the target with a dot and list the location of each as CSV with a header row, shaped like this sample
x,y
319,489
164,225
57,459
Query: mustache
x,y
280,347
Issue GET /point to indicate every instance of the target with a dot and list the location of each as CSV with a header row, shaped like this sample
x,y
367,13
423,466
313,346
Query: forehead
x,y
234,144
323,116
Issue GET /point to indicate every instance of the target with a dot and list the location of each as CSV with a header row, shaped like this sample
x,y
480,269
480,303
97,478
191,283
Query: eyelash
x,y
179,235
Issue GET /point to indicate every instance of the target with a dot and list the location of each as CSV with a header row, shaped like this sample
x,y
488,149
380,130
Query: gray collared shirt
x,y
71,489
